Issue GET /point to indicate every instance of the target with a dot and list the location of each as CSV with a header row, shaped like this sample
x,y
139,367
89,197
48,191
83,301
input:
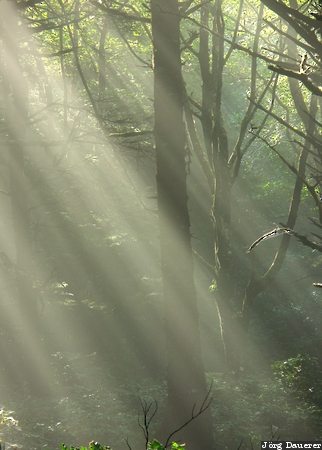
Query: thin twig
x,y
127,444
203,407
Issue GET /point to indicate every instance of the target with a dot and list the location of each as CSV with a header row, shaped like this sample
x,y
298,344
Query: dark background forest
x,y
161,222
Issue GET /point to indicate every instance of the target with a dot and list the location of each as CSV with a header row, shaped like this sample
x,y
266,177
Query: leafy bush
x,y
154,445
91,446
258,405
301,379
302,376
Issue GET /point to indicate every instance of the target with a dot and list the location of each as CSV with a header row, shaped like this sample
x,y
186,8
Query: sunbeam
x,y
144,147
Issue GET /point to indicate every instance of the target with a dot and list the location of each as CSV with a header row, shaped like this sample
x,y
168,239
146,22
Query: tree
x,y
309,29
186,384
222,161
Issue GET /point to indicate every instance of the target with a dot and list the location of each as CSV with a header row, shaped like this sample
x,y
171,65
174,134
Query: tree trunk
x,y
185,376
306,111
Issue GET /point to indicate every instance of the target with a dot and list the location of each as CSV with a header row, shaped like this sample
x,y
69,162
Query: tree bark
x,y
186,384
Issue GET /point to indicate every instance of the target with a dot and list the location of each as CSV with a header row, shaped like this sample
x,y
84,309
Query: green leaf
x,y
176,446
155,445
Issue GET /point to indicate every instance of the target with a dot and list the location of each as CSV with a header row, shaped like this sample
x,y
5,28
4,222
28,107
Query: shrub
x,y
154,445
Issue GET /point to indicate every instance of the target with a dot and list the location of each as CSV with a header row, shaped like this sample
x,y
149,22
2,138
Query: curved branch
x,y
303,77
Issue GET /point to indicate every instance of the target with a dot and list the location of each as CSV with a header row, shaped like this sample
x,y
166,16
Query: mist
x,y
160,195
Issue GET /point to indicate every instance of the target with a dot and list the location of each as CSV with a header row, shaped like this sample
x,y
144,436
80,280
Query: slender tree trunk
x,y
258,284
186,382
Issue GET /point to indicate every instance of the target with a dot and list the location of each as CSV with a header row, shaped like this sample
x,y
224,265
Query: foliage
x,y
91,446
7,419
302,376
254,405
154,445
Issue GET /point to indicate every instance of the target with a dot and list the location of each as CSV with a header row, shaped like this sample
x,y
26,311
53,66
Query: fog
x,y
126,287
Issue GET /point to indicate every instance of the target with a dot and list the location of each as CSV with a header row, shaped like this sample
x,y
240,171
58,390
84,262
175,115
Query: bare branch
x,y
301,23
194,414
127,134
234,38
271,234
303,77
127,444
28,3
149,410
316,143
120,13
129,46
